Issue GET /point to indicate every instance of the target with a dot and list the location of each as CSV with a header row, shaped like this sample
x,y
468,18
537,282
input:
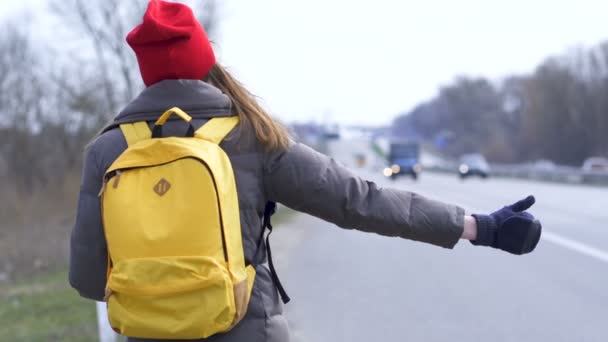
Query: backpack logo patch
x,y
162,187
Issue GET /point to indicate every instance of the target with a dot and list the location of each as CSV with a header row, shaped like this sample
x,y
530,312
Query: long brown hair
x,y
272,134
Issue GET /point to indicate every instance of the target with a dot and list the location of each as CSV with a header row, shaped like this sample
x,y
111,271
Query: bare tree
x,y
18,81
558,112
105,24
19,104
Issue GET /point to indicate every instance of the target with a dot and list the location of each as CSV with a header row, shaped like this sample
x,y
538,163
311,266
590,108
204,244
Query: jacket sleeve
x,y
88,250
308,181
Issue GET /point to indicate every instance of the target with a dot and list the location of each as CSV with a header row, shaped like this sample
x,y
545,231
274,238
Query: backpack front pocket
x,y
170,297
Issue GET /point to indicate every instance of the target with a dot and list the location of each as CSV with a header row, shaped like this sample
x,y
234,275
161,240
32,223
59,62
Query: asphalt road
x,y
352,286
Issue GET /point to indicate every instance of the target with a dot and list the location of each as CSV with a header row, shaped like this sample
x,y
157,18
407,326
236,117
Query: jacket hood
x,y
197,98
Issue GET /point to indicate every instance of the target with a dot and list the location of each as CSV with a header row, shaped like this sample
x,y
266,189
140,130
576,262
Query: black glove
x,y
511,228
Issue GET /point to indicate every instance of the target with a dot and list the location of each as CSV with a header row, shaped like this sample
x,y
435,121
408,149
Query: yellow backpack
x,y
176,267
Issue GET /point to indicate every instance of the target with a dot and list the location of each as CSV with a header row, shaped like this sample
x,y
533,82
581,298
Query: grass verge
x,y
45,308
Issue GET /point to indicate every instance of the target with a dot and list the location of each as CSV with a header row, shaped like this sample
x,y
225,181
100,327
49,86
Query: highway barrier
x,y
558,174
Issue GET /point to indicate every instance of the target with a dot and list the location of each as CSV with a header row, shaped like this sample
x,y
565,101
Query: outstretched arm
x,y
308,181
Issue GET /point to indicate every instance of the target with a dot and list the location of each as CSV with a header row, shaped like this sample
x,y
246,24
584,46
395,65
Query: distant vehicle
x,y
596,164
473,165
404,159
544,165
331,135
360,159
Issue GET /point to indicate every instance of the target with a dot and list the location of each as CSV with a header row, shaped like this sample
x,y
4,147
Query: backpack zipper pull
x,y
116,179
103,187
106,179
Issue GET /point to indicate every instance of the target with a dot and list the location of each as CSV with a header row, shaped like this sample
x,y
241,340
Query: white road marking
x,y
575,246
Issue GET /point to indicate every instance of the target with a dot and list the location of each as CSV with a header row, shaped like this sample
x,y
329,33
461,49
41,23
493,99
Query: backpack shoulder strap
x,y
269,210
135,132
216,129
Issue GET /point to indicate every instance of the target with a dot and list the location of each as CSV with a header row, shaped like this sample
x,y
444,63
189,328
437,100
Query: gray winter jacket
x,y
299,178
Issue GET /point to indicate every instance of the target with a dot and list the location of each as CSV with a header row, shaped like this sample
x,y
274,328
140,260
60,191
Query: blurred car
x,y
404,159
544,165
360,159
473,164
596,164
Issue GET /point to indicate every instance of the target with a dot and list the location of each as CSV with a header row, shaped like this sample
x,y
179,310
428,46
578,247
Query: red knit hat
x,y
171,44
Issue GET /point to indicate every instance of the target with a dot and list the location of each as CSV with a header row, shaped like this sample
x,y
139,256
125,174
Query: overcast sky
x,y
367,61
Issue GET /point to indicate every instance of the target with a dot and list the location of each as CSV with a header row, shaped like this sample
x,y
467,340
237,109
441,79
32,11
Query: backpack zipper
x,y
116,175
219,206
106,179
